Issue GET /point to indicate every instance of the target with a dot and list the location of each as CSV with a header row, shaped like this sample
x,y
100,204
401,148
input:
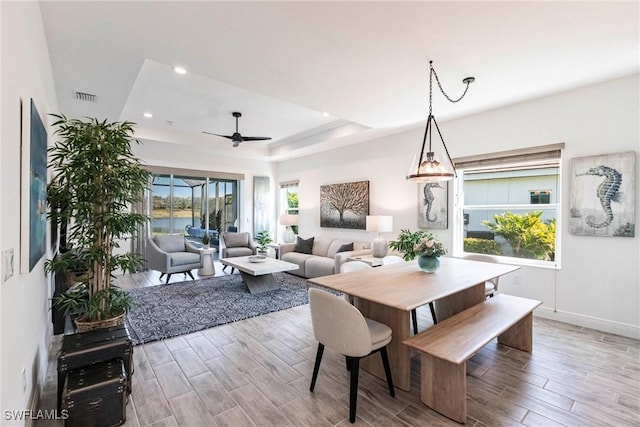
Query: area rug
x,y
165,311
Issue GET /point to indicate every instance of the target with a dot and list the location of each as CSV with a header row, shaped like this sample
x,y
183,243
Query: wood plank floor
x,y
256,372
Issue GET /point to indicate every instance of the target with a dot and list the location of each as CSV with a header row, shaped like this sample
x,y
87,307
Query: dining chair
x,y
353,266
394,259
341,327
490,286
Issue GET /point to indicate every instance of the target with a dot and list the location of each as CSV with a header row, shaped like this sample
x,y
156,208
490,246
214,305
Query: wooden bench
x,y
447,346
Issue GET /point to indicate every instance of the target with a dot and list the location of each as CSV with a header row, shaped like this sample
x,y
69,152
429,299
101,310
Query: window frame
x,y
460,208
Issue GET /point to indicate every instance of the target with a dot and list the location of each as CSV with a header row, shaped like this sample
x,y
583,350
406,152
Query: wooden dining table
x,y
389,293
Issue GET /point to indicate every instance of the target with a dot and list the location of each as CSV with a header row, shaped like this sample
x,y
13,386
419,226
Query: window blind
x,y
544,154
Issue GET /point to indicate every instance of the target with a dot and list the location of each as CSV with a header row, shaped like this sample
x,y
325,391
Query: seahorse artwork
x,y
607,191
428,200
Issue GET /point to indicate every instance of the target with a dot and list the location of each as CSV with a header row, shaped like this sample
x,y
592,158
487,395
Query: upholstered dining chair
x,y
341,327
353,266
236,244
393,259
490,286
172,253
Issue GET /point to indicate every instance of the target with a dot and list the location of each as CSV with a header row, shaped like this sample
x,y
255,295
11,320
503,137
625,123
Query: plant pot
x,y
86,325
428,264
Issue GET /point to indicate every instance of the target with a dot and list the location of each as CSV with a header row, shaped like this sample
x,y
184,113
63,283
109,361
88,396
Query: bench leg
x,y
520,335
444,387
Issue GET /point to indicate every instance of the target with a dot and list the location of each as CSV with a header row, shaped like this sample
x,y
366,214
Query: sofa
x,y
324,258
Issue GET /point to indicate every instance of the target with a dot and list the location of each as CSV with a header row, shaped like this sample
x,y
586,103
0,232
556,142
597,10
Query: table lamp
x,y
288,220
379,224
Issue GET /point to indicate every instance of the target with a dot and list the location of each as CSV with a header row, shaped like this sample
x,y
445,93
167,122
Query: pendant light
x,y
426,166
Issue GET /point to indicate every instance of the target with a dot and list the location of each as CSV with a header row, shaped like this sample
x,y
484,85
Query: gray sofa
x,y
323,259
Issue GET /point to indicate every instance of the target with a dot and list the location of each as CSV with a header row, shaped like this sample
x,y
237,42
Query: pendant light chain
x,y
467,80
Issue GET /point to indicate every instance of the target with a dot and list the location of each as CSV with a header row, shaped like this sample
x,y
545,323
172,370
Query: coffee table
x,y
258,276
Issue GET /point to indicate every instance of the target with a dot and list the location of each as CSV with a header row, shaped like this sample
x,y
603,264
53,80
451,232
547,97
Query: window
x,y
498,213
289,200
540,197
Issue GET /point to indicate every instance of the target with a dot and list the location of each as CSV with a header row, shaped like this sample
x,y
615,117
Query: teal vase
x,y
428,264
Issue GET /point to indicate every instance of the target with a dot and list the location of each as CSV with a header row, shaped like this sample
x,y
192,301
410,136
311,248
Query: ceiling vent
x,y
87,97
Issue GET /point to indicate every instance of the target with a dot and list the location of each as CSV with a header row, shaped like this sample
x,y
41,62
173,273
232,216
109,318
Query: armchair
x,y
172,253
236,244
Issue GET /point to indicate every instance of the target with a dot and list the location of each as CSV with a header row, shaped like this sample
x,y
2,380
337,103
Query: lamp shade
x,y
288,219
380,223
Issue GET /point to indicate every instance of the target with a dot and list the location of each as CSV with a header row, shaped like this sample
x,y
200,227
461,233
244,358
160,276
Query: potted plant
x,y
98,179
406,243
263,239
206,239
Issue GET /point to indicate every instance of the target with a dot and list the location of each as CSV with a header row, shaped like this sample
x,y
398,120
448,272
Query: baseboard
x,y
612,327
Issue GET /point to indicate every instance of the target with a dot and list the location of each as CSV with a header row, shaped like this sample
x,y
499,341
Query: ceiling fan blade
x,y
217,134
255,138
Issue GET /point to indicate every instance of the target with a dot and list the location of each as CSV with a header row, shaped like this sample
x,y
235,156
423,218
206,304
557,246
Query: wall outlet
x,y
24,380
516,279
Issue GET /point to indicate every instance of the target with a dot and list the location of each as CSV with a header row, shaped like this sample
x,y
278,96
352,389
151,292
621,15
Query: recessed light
x,y
325,114
148,115
180,70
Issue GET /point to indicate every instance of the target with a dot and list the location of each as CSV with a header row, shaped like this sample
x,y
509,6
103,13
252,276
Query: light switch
x,y
7,264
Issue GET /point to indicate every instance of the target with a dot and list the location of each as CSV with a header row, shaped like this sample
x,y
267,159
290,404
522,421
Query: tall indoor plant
x,y
97,180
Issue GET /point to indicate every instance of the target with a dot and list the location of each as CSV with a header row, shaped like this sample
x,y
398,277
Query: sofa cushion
x,y
170,242
236,240
298,259
321,246
335,245
304,246
346,247
184,258
317,266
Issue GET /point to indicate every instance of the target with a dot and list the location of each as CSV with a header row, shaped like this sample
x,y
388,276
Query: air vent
x,y
87,97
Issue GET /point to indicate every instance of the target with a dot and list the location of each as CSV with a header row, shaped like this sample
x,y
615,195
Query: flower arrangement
x,y
430,246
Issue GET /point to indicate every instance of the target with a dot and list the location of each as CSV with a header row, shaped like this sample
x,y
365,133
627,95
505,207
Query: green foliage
x,y
482,246
292,200
76,302
96,179
206,238
528,235
407,241
263,240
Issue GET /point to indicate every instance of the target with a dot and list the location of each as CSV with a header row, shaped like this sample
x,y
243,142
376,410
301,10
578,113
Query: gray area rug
x,y
165,311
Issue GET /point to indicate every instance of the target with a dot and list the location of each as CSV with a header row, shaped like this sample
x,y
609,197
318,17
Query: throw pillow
x,y
304,246
345,248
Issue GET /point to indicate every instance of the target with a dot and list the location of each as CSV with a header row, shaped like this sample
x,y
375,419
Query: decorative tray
x,y
257,258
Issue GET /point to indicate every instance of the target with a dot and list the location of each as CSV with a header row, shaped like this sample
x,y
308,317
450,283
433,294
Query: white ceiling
x,y
281,64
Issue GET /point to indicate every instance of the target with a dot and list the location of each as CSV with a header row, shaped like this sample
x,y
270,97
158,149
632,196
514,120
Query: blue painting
x,y
37,188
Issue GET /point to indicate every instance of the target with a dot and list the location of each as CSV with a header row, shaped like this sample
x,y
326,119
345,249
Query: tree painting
x,y
344,205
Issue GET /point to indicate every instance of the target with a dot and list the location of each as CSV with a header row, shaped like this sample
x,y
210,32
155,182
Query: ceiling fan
x,y
236,137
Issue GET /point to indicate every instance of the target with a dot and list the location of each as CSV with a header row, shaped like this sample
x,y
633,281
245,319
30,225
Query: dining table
x,y
388,293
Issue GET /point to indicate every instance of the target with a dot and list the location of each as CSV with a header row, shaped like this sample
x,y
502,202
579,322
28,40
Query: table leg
x,y
453,304
257,284
399,354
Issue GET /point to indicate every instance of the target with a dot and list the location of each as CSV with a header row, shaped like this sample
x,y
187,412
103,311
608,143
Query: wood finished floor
x,y
256,372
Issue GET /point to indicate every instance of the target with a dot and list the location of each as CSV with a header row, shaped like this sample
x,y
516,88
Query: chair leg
x,y
190,275
168,277
433,313
225,266
316,367
346,359
414,321
353,389
387,370
161,276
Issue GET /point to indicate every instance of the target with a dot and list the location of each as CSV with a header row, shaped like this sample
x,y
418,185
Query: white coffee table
x,y
258,276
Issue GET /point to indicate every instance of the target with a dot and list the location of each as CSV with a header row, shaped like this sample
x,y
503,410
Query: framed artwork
x,y
344,205
261,204
33,188
433,202
602,198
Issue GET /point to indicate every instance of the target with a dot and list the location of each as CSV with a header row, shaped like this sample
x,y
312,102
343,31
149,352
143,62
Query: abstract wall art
x,y
432,205
602,199
344,205
261,204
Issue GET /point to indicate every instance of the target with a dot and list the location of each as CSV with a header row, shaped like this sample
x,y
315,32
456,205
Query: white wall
x,y
172,155
24,298
599,282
